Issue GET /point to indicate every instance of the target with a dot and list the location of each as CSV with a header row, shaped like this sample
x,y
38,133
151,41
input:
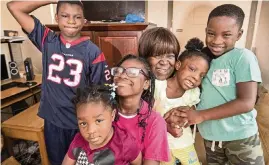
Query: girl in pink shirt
x,y
135,91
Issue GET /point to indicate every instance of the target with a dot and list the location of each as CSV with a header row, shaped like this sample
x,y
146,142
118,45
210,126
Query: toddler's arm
x,y
21,9
174,123
138,160
68,161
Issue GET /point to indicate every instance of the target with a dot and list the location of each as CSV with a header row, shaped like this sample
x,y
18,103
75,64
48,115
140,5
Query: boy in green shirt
x,y
226,114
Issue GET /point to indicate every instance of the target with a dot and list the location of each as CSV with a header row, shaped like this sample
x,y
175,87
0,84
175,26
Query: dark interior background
x,y
4,72
112,10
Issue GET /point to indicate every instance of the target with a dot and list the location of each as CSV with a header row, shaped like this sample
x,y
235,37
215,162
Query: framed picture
x,y
10,33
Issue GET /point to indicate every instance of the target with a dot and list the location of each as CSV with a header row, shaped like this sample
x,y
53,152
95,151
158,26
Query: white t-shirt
x,y
164,104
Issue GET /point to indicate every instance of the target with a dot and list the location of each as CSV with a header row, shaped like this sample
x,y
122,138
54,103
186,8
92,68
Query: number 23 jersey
x,y
66,66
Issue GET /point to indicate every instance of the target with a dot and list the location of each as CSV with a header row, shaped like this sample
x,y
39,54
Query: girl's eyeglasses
x,y
130,72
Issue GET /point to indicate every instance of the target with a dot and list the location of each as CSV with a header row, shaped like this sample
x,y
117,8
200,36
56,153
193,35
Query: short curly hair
x,y
228,10
71,2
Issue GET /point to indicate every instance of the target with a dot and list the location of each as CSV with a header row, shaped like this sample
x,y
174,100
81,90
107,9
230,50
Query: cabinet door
x,y
116,44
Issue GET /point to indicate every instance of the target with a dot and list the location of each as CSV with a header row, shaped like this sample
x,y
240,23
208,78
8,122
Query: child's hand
x,y
173,117
174,130
193,116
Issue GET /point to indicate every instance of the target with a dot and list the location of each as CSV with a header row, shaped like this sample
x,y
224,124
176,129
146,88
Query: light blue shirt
x,y
219,87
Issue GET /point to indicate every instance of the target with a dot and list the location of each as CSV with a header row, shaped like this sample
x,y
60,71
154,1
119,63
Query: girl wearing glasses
x,y
135,90
182,90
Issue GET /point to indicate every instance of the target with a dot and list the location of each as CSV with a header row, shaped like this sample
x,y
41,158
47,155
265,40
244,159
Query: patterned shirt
x,y
120,150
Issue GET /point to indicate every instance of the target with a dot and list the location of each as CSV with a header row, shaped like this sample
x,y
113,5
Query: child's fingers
x,y
167,114
183,114
178,121
183,108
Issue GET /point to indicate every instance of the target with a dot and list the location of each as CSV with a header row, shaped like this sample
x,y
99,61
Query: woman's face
x,y
131,86
162,66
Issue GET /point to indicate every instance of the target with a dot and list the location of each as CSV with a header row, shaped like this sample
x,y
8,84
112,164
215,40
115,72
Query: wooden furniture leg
x,y
42,149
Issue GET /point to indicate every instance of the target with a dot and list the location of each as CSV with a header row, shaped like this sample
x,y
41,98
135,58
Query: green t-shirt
x,y
219,87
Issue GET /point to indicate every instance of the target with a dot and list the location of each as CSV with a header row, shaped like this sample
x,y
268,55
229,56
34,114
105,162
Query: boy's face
x,y
221,34
191,71
95,123
162,66
70,20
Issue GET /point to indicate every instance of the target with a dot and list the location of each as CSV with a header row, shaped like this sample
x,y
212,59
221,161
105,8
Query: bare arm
x,y
68,161
245,101
21,9
151,162
138,160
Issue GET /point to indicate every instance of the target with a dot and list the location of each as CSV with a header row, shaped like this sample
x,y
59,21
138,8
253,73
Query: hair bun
x,y
194,44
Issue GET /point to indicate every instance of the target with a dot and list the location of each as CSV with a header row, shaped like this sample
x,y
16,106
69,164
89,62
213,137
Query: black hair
x,y
95,94
158,41
147,95
194,49
228,10
71,2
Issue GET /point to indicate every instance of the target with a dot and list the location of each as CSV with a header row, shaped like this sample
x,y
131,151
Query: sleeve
x,y
39,35
131,148
156,143
156,95
157,89
72,146
247,68
99,70
192,97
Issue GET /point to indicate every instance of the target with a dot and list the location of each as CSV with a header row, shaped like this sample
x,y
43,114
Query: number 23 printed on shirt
x,y
74,72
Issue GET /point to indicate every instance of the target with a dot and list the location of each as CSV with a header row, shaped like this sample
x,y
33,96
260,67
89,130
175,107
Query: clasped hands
x,y
181,117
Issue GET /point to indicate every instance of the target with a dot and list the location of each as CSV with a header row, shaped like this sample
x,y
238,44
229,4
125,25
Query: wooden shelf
x,y
9,101
109,26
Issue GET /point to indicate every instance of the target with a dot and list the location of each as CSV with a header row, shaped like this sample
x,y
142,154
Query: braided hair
x,y
194,48
96,94
147,95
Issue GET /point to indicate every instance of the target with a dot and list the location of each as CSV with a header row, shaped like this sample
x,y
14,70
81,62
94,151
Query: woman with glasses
x,y
161,48
135,91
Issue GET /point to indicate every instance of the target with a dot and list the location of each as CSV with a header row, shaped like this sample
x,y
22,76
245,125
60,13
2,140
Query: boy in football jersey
x,y
69,61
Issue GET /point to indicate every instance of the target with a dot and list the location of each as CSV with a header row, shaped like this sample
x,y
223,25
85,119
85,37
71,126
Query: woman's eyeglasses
x,y
130,72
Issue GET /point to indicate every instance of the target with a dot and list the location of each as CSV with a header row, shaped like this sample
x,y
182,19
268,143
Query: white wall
x,y
28,50
190,18
262,43
157,12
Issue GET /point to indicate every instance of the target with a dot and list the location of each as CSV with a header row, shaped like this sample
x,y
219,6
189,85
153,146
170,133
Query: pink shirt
x,y
155,145
120,150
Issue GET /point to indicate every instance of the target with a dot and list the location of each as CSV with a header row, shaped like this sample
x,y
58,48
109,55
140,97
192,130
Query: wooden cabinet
x,y
114,39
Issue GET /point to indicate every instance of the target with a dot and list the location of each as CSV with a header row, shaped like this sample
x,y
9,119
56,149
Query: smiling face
x,y
191,71
70,20
95,123
131,86
221,34
162,66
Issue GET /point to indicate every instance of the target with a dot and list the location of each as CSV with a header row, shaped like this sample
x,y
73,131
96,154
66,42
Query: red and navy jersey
x,y
66,66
